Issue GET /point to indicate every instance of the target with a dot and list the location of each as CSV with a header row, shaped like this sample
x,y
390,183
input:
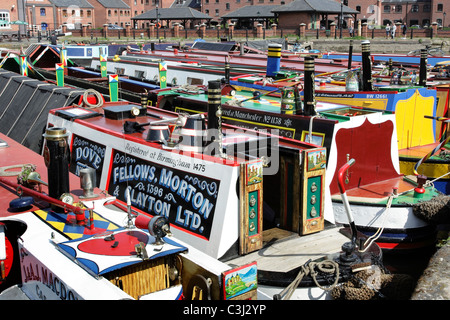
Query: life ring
x,y
158,25
98,96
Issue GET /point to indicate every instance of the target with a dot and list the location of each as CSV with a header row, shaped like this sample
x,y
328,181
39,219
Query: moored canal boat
x,y
79,247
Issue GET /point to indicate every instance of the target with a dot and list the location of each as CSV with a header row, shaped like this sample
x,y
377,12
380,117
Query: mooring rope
x,y
380,230
326,266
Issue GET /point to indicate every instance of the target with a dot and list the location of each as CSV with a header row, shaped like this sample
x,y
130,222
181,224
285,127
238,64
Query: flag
x,y
103,61
163,74
113,87
23,65
59,68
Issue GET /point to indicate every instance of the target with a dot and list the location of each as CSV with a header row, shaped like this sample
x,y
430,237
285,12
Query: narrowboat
x,y
369,134
80,246
148,162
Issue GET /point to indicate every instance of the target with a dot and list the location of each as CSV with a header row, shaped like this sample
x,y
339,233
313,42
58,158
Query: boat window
x,y
120,71
139,74
193,81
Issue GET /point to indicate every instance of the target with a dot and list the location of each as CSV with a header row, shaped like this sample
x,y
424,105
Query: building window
x,y
227,6
217,12
398,8
5,17
64,13
81,13
440,7
415,8
387,9
42,12
426,8
358,8
109,13
89,13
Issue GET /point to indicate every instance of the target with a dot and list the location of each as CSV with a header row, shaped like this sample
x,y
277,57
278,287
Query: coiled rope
x,y
96,94
309,268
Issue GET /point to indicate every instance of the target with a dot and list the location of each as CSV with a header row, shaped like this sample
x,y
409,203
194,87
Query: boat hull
x,y
401,229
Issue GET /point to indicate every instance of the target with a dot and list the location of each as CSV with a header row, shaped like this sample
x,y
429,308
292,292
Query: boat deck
x,y
284,251
12,158
379,191
259,61
418,151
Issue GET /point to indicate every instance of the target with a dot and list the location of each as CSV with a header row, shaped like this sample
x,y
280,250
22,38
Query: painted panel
x,y
369,145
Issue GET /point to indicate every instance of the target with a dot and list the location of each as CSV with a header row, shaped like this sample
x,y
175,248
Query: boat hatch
x,y
114,255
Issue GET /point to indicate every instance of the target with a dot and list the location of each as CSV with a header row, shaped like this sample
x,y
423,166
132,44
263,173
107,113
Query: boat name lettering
x,y
136,150
377,96
335,95
267,119
167,160
242,115
47,278
187,200
86,153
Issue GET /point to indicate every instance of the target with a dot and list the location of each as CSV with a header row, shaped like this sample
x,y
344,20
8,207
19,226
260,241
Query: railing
x,y
255,33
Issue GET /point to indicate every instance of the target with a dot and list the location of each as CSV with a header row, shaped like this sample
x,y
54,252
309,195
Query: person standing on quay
x,y
404,28
388,31
394,27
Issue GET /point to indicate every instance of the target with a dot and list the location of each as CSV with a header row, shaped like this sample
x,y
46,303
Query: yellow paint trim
x,y
178,109
413,129
379,104
431,170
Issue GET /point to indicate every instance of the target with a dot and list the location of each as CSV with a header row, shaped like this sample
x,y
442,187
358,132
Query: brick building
x,y
413,12
51,14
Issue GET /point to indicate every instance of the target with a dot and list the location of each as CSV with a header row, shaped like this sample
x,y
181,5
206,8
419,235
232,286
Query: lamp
x,y
341,20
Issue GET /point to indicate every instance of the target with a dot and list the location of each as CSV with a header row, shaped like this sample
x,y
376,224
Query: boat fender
x,y
21,203
93,102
